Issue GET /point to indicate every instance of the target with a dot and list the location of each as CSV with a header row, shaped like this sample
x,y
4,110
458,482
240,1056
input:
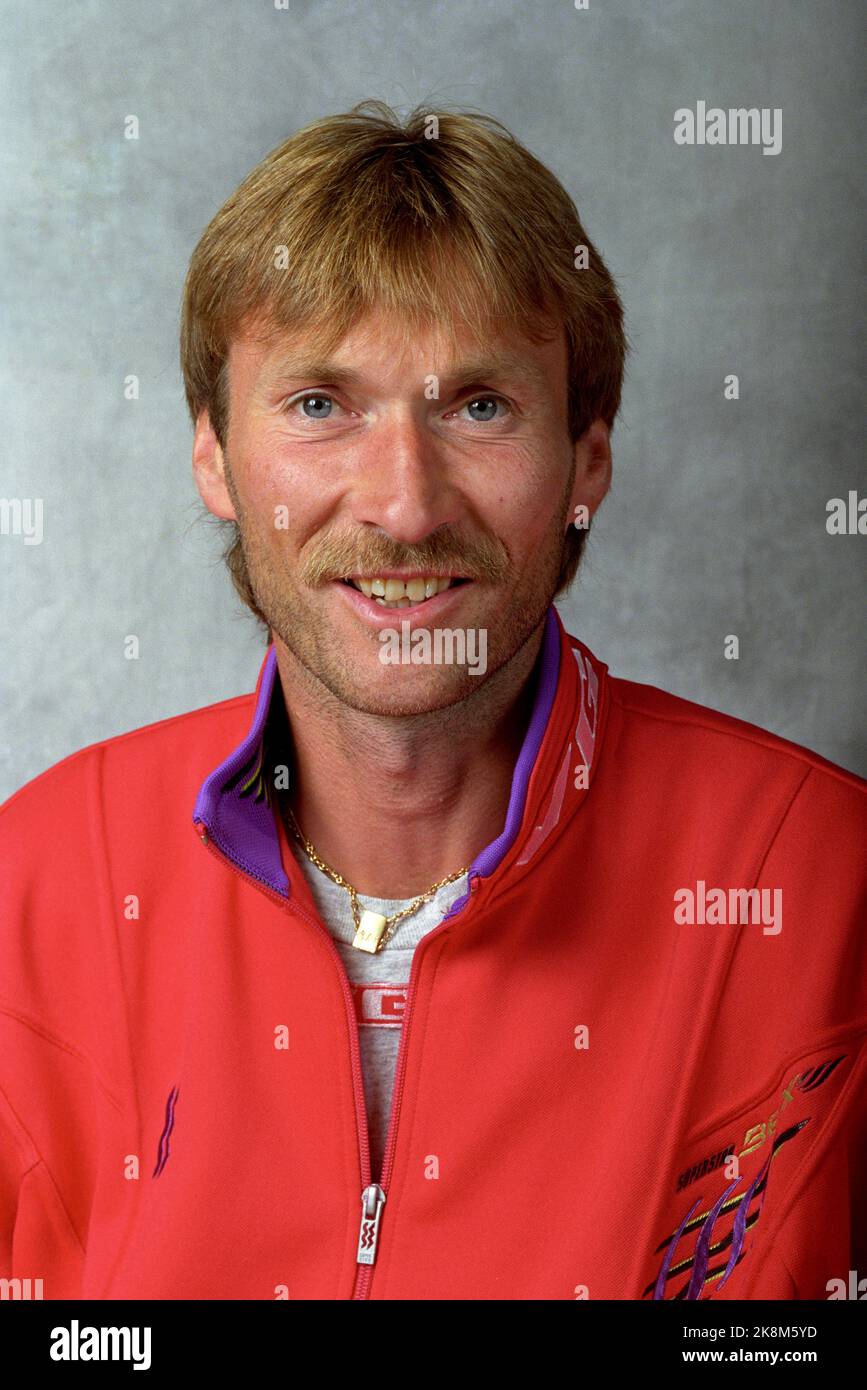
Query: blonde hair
x,y
443,217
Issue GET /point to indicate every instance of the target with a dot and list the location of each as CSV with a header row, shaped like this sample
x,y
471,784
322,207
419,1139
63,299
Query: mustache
x,y
337,557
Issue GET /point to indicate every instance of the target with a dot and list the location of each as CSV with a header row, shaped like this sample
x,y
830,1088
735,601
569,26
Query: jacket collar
x,y
234,804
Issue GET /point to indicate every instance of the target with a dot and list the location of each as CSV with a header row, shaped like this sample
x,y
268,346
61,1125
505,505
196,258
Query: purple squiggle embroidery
x,y
659,1290
163,1150
701,1257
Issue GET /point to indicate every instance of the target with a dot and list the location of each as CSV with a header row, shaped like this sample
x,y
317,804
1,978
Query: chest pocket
x,y
724,1174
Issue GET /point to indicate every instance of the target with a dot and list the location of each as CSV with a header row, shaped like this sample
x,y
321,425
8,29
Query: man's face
x,y
393,465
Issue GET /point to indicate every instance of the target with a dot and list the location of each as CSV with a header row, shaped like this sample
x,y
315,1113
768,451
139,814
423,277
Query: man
x,y
435,969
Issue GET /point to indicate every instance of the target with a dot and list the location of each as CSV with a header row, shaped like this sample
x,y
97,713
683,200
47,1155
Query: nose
x,y
403,482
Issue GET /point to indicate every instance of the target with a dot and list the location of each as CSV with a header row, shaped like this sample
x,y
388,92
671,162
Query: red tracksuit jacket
x,y
595,1096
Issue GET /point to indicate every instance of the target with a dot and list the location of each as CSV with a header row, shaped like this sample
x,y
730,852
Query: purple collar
x,y
234,801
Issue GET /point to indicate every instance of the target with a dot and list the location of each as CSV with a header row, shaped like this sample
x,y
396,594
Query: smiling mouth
x,y
403,593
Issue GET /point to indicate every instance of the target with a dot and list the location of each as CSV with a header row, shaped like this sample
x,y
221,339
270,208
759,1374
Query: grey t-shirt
x,y
379,983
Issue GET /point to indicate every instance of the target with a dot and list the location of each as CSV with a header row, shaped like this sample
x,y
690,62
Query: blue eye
x,y
488,403
316,398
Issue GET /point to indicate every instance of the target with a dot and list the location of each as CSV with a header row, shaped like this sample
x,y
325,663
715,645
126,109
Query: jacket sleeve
x,y
819,862
51,1104
39,1247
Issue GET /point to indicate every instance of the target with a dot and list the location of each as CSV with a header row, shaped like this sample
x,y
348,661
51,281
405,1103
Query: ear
x,y
592,471
209,470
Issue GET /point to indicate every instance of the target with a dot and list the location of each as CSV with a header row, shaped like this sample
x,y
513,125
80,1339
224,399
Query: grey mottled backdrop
x,y
728,261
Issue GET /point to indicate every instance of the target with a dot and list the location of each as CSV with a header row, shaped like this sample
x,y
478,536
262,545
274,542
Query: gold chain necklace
x,y
372,930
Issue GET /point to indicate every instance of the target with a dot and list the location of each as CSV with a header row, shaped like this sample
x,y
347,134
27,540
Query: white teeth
x,y
397,593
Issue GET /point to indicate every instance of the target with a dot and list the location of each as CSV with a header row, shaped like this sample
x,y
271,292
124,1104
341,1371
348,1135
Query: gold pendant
x,y
370,930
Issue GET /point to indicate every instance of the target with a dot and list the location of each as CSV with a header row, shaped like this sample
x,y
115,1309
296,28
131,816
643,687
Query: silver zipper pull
x,y
372,1202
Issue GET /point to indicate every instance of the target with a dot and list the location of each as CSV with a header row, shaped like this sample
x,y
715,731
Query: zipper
x,y
368,1197
373,1195
372,1202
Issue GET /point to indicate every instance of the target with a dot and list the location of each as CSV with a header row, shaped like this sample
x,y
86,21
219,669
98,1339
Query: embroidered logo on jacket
x,y
163,1150
585,743
712,1236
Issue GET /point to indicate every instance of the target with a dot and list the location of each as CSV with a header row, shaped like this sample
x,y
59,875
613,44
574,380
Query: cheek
x,y
522,501
266,498
280,494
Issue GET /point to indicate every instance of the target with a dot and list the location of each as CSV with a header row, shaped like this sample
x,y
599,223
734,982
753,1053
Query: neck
x,y
395,804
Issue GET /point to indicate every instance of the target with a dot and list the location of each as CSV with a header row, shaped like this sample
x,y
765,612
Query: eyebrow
x,y
474,372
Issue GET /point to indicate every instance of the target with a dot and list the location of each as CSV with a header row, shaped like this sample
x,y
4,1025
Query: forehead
x,y
380,347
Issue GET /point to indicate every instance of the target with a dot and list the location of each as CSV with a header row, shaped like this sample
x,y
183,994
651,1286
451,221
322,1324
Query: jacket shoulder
x,y
695,730
174,754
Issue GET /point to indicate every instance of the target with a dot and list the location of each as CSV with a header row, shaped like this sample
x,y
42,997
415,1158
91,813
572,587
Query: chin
x,y
403,693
